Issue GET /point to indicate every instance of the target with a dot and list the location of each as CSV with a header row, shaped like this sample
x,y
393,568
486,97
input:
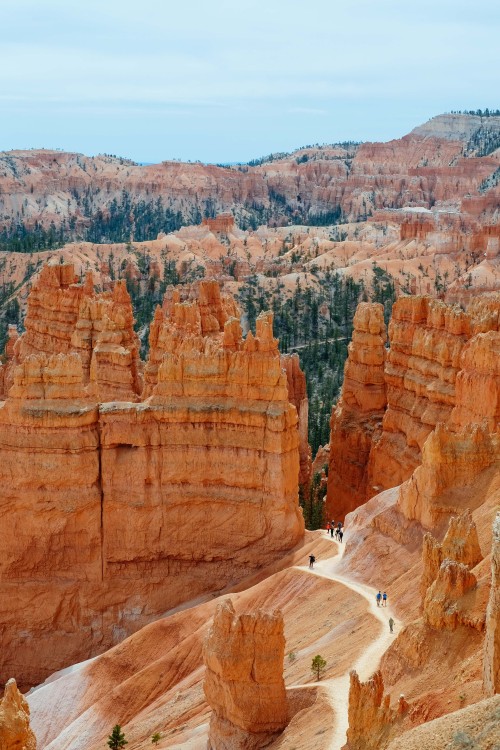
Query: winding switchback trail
x,y
369,660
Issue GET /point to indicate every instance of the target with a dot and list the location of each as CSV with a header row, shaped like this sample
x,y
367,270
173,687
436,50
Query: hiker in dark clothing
x,y
379,599
384,600
312,560
332,528
341,535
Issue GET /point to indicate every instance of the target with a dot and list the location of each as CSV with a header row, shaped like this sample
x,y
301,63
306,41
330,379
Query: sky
x,y
227,81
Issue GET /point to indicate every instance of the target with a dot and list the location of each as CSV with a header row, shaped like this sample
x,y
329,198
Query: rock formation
x,y
64,316
444,607
244,685
193,318
460,544
297,395
491,664
357,419
15,730
438,430
438,163
370,715
102,499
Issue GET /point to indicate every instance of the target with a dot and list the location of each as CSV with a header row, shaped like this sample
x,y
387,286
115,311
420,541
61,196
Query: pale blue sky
x,y
229,81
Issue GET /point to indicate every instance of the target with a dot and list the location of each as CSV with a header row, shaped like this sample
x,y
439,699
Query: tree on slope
x,y
318,666
116,740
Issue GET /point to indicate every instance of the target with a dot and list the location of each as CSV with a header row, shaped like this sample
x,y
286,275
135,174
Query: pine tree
x,y
318,666
116,739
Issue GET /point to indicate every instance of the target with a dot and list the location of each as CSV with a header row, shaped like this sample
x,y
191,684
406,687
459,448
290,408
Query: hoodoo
x,y
244,683
116,510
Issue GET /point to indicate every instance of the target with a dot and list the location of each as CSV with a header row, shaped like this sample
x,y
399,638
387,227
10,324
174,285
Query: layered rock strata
x,y
442,381
444,606
297,394
491,663
356,421
15,730
460,544
244,684
64,316
114,511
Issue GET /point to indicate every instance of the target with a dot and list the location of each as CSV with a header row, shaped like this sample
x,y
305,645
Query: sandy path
x,y
369,660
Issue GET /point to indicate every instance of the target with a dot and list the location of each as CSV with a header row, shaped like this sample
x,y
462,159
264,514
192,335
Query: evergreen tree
x,y
116,740
318,666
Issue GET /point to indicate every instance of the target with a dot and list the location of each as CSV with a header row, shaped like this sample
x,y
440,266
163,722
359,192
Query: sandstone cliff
x,y
104,501
297,395
15,730
64,316
460,544
491,668
244,683
438,430
357,419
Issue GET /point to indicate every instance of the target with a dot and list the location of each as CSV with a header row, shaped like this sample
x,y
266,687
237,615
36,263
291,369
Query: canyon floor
x,y
325,612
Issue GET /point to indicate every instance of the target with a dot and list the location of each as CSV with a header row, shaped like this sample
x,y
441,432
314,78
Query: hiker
x,y
332,527
328,528
312,560
341,535
339,525
379,598
384,602
391,624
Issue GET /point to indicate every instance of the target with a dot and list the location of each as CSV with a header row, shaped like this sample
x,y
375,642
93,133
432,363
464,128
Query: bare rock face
x,y
478,382
438,429
370,716
491,664
244,684
297,395
15,731
426,338
357,419
64,316
192,319
443,605
7,369
449,459
460,544
113,511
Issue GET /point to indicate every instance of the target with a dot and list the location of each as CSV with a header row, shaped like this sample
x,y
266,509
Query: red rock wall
x,y
357,419
491,663
442,369
111,513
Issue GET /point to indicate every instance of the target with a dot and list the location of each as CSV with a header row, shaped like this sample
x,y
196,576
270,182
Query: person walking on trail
x,y
312,560
379,599
341,535
332,527
384,600
328,528
391,624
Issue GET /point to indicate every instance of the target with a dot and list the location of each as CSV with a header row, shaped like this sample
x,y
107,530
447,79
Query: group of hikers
x,y
337,530
331,529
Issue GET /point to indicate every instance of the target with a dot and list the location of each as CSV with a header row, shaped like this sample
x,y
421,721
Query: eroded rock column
x,y
244,682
